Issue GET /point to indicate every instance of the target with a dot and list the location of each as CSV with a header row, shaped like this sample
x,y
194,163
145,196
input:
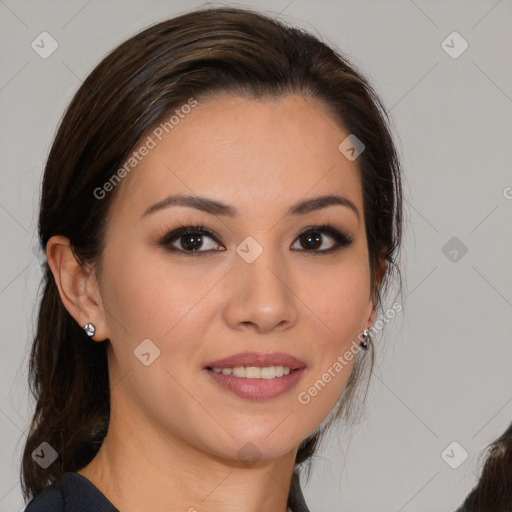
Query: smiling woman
x,y
189,310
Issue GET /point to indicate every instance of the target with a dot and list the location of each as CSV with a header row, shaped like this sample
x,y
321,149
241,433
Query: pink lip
x,y
258,359
257,389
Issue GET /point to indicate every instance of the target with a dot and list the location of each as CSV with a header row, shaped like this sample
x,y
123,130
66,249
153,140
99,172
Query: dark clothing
x,y
75,493
71,493
296,499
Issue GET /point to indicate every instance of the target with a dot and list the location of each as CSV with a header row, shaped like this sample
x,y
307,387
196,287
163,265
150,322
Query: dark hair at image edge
x,y
196,55
493,491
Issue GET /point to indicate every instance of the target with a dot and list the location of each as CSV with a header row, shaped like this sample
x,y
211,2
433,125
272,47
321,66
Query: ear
x,y
381,272
77,285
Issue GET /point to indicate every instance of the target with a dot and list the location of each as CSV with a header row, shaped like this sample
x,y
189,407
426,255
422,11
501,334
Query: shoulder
x,y
49,500
71,493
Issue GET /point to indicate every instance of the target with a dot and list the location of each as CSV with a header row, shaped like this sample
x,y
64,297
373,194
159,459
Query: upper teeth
x,y
255,372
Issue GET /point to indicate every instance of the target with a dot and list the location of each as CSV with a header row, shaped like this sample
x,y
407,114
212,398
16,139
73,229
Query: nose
x,y
261,296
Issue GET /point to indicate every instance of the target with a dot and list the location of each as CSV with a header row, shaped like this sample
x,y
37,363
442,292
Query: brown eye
x,y
312,239
190,239
191,242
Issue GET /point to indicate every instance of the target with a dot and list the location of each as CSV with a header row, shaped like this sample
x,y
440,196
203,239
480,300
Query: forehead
x,y
253,153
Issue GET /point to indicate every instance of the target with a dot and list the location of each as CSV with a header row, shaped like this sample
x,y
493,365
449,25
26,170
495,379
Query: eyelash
x,y
341,238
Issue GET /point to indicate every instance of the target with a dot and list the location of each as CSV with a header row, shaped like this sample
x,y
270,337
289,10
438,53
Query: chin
x,y
259,448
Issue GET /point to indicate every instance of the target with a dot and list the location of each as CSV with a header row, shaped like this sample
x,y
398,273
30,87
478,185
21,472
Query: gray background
x,y
443,371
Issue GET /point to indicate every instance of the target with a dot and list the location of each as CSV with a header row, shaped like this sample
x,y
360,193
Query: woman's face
x,y
255,284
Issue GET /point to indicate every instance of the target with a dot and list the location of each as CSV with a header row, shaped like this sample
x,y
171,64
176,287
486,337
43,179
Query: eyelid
x,y
341,237
179,231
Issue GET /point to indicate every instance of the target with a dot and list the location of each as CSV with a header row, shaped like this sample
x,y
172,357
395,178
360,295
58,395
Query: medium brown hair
x,y
131,90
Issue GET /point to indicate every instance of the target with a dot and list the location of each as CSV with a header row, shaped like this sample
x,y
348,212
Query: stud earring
x,y
364,342
89,329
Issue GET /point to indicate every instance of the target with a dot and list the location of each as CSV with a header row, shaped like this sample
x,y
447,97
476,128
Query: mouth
x,y
254,372
257,376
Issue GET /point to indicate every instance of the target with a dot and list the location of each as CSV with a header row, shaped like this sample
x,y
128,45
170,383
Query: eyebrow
x,y
215,207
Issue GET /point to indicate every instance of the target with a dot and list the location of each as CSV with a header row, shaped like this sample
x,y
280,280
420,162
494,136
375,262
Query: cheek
x,y
159,301
338,306
151,296
339,298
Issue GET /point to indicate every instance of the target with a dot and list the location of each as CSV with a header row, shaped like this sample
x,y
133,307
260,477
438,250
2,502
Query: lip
x,y
257,389
258,359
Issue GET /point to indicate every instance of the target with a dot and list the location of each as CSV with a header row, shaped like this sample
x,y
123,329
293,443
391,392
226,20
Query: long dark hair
x,y
128,93
493,493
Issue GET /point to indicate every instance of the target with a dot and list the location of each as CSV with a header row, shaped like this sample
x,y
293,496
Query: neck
x,y
139,468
